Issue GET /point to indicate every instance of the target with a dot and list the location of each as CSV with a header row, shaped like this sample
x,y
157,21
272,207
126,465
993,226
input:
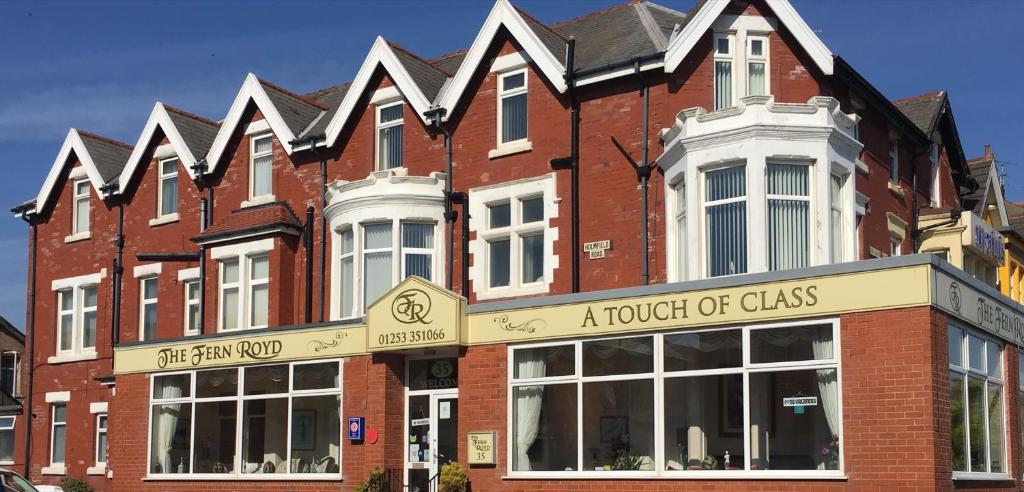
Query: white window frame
x,y
801,198
10,429
250,288
364,252
76,288
515,233
101,430
763,59
895,245
730,58
347,290
222,286
408,250
16,372
53,426
967,372
161,177
253,197
144,301
837,245
680,230
704,204
78,196
502,94
382,166
189,302
659,376
240,398
240,253
894,161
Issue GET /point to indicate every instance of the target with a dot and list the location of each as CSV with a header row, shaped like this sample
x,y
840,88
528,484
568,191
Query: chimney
x,y
988,152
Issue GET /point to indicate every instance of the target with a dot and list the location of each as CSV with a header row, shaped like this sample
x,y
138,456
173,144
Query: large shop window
x,y
789,205
725,216
389,136
244,292
976,403
388,253
746,400
76,318
256,422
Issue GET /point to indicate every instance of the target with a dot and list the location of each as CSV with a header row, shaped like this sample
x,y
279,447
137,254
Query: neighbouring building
x,y
638,249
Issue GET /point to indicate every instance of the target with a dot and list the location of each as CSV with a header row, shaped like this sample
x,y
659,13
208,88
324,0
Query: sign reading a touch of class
x,y
415,314
481,448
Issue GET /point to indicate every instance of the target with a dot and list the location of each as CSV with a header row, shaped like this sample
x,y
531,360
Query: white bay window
x,y
789,204
725,215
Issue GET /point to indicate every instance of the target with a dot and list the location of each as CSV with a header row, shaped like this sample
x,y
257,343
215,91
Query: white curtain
x,y
828,386
167,421
529,400
726,223
788,228
723,84
756,87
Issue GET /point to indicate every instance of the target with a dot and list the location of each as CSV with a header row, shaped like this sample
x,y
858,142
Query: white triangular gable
x,y
994,195
380,53
503,14
73,142
705,17
158,117
251,90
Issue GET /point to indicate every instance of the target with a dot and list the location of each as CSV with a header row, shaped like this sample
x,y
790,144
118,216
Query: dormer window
x,y
167,192
389,136
741,67
512,107
80,221
261,167
757,62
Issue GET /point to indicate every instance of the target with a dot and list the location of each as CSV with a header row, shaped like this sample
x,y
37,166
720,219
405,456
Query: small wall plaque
x,y
481,448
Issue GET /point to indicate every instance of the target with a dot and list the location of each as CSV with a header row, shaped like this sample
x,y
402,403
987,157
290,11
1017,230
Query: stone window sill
x,y
66,358
509,149
166,219
96,470
80,236
54,470
897,189
260,200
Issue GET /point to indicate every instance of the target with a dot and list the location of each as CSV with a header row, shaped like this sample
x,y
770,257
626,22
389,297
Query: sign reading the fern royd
x,y
481,448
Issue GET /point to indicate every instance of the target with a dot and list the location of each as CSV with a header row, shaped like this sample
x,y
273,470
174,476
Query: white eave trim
x,y
380,54
73,142
158,117
251,90
502,14
704,18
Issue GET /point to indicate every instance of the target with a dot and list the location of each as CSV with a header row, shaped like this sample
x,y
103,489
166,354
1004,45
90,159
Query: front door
x,y
433,430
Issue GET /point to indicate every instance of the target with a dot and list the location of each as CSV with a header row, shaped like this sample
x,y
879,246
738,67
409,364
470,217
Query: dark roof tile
x,y
109,156
923,109
198,132
296,111
252,219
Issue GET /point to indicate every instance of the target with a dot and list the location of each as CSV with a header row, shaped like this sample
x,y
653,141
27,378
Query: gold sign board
x,y
481,447
415,314
242,349
836,294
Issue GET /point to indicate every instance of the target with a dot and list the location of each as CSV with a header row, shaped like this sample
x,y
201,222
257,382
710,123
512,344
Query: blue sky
x,y
100,66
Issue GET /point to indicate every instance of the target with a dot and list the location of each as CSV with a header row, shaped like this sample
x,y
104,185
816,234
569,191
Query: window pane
x,y
513,118
704,350
7,446
219,382
996,452
787,179
792,343
722,46
149,322
316,376
391,113
149,288
788,234
726,226
264,439
89,329
499,215
229,308
533,209
60,413
756,47
838,238
59,442
704,421
316,434
389,146
67,300
994,365
215,436
976,352
419,265
957,421
261,169
192,290
533,258
169,195
261,145
82,187
723,84
169,167
618,425
82,215
89,297
170,442
266,380
260,305
260,267
346,287
346,241
540,362
513,81
756,83
377,272
229,269
376,236
784,436
418,235
498,258
67,322
618,356
172,386
544,428
977,416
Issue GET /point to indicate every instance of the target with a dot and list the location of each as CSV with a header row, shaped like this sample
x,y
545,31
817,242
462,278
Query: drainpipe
x,y
437,114
205,218
643,171
459,197
307,240
30,330
115,322
574,105
323,237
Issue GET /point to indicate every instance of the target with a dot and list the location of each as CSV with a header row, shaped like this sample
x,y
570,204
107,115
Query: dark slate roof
x,y
297,111
619,33
110,156
331,99
450,62
429,78
924,109
11,330
251,220
666,19
552,40
979,168
198,132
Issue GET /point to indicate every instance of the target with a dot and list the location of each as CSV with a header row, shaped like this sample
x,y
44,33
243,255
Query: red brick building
x,y
661,225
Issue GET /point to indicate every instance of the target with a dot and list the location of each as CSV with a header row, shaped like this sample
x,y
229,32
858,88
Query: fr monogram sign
x,y
416,313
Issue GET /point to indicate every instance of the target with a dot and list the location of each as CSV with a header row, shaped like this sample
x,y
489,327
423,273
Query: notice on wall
x,y
481,448
444,410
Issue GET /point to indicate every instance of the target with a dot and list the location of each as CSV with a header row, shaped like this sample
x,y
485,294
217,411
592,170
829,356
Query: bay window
x,y
838,239
976,403
512,107
147,308
261,167
789,204
167,191
80,209
244,292
257,421
377,257
725,215
76,319
389,136
755,399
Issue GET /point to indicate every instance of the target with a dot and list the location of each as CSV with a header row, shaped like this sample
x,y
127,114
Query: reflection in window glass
x,y
976,422
266,380
215,436
316,434
545,435
957,416
788,436
618,425
170,442
956,346
618,356
264,439
703,350
215,383
316,376
793,343
542,362
704,422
